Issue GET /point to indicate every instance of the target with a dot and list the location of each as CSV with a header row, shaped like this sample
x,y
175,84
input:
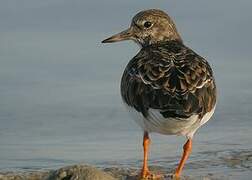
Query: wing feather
x,y
171,78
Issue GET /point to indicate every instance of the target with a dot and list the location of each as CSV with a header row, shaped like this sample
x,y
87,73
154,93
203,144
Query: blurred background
x,y
59,86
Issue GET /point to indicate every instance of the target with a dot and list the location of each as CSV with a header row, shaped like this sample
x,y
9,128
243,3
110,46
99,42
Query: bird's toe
x,y
147,175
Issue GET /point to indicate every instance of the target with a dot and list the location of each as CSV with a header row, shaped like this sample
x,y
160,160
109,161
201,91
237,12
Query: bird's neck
x,y
153,42
162,43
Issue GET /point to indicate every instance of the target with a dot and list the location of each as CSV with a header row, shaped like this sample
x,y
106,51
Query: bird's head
x,y
148,27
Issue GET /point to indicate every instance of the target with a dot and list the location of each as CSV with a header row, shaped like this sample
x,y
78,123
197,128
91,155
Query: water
x,y
60,102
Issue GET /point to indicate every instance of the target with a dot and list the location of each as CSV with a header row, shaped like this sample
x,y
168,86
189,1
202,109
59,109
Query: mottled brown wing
x,y
171,78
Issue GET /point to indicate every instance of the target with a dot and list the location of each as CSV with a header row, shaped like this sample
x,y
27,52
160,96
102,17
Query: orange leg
x,y
186,153
145,173
146,142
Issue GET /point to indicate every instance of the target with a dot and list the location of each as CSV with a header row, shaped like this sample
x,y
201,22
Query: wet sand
x,y
218,165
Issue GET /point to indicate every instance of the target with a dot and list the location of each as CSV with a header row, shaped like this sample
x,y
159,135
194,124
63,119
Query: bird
x,y
167,87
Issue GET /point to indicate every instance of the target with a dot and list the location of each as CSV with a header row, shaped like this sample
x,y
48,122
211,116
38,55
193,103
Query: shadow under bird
x,y
167,87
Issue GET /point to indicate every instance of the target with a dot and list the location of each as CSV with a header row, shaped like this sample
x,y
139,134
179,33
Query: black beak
x,y
124,35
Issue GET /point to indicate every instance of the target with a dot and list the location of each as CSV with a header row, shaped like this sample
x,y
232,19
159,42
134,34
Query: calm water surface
x,y
59,107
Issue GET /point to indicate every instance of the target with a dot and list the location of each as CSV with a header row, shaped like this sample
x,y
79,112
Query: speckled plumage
x,y
171,78
168,87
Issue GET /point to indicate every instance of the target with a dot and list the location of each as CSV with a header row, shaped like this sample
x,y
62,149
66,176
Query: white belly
x,y
155,122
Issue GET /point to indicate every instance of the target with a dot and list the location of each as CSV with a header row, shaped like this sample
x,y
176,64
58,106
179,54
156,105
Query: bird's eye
x,y
147,24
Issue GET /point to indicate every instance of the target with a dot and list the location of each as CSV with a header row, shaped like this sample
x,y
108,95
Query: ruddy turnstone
x,y
167,86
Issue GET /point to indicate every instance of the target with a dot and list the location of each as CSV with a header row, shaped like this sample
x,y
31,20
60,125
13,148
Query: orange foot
x,y
146,174
176,176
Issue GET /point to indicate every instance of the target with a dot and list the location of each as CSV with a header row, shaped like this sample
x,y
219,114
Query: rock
x,y
79,172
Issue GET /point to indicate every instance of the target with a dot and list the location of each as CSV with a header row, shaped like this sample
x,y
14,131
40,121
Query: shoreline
x,y
211,165
87,172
